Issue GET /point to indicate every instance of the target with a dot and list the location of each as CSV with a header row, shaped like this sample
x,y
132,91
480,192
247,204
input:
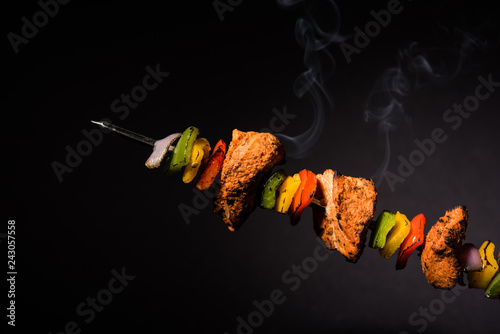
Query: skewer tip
x,y
98,123
125,132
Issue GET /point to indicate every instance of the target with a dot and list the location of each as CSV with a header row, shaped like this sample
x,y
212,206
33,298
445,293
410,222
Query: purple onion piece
x,y
470,258
160,149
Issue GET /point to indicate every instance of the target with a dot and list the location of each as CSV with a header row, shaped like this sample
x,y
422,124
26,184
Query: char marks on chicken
x,y
349,208
250,156
440,256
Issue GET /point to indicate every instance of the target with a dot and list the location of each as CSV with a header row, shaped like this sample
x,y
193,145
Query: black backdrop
x,y
98,225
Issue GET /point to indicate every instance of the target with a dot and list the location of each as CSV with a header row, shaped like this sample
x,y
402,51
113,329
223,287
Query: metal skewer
x,y
127,133
317,202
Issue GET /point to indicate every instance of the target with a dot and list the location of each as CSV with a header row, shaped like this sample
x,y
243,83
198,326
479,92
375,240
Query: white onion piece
x,y
160,149
470,258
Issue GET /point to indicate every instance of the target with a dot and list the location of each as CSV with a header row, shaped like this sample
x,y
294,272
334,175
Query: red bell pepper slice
x,y
213,166
303,196
414,239
221,144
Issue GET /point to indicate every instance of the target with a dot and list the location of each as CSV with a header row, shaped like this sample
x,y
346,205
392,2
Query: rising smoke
x,y
315,31
416,68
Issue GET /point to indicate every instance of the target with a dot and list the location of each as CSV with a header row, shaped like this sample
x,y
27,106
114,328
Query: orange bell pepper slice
x,y
303,196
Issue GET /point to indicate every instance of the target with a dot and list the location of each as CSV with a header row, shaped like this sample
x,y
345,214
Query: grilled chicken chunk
x,y
250,156
350,205
440,257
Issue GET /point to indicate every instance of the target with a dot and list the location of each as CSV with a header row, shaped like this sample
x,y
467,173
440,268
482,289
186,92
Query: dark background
x,y
111,212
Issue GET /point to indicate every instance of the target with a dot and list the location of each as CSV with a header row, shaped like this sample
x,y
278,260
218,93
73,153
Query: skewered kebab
x,y
344,205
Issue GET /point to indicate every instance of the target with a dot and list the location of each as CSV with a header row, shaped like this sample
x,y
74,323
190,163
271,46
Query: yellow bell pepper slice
x,y
481,279
286,191
200,152
396,236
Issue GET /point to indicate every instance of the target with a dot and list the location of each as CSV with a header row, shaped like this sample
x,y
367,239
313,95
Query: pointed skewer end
x,y
125,132
99,123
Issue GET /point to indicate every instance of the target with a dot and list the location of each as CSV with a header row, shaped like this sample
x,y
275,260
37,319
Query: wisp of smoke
x,y
417,67
320,64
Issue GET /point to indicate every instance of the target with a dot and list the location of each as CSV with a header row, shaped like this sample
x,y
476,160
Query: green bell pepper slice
x,y
268,197
182,152
396,236
384,224
493,289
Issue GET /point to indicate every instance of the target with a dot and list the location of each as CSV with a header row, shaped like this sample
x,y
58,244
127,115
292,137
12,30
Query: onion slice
x,y
160,149
470,258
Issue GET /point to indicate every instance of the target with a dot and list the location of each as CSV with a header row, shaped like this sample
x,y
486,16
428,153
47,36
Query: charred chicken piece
x,y
349,208
250,156
440,256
